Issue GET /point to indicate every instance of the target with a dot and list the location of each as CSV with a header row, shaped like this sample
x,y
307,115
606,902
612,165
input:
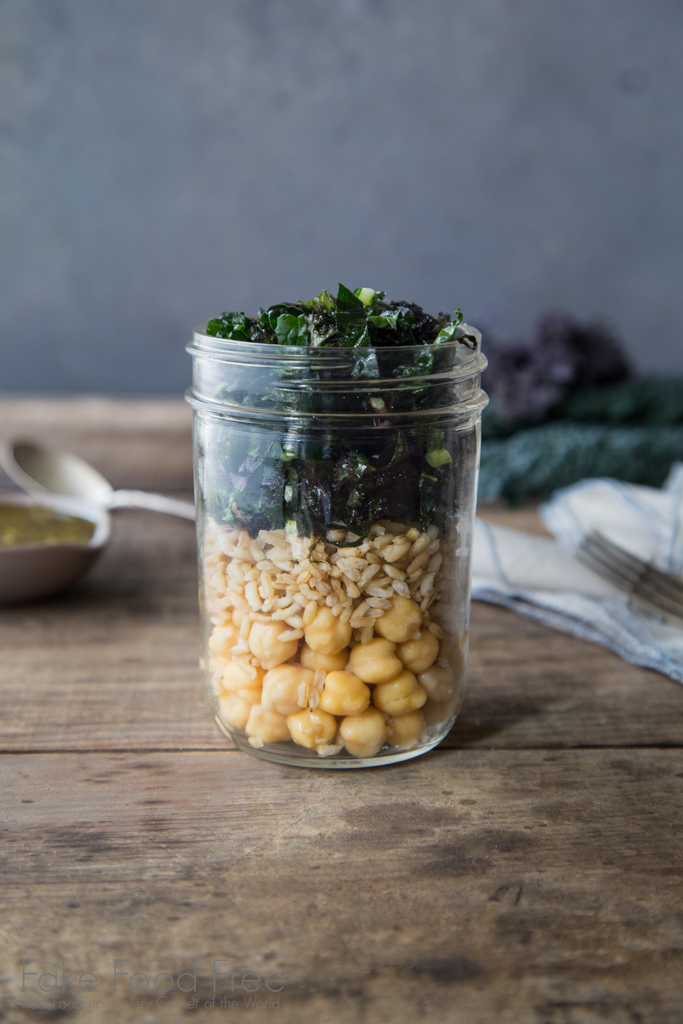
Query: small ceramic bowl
x,y
31,571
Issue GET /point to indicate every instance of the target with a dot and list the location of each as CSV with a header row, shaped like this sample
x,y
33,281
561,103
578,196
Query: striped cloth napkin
x,y
539,577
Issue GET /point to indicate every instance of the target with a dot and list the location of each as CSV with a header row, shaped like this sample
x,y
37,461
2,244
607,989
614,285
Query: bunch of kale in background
x,y
566,406
528,381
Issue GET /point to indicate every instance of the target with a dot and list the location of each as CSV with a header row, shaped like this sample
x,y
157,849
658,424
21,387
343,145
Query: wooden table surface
x,y
529,870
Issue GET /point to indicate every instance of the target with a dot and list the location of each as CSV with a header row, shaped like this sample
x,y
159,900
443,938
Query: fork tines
x,y
656,589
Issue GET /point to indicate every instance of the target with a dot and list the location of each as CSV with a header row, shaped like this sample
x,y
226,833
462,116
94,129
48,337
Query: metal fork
x,y
658,591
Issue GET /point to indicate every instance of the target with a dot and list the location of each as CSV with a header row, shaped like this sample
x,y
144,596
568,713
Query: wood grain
x,y
467,886
136,442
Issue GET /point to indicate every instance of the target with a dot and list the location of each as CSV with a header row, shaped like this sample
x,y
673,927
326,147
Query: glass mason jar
x,y
335,502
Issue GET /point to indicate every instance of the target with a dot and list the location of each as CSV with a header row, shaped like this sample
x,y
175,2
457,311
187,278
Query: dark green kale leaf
x,y
351,319
324,300
269,318
350,478
421,365
403,323
238,326
291,329
322,327
249,483
394,325
449,331
307,497
392,491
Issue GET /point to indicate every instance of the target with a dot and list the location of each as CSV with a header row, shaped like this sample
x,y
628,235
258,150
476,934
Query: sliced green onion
x,y
438,457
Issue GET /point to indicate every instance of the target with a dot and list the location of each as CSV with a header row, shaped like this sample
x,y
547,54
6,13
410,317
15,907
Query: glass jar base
x,y
281,753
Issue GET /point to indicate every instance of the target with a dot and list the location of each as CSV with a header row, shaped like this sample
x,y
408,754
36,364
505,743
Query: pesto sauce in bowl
x,y
34,524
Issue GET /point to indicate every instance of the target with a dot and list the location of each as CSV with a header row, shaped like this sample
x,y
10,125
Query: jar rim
x,y
470,359
247,380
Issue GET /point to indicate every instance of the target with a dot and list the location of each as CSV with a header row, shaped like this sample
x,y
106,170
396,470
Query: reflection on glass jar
x,y
336,492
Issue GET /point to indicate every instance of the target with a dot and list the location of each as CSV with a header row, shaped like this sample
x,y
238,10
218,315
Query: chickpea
x,y
400,622
344,694
267,725
406,730
438,682
375,662
326,662
239,671
326,634
234,710
417,655
401,696
364,734
312,728
223,639
281,688
237,616
243,679
265,646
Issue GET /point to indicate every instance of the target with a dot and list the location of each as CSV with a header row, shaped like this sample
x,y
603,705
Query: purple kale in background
x,y
526,381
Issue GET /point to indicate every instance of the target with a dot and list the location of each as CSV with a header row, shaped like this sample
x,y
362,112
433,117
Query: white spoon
x,y
41,471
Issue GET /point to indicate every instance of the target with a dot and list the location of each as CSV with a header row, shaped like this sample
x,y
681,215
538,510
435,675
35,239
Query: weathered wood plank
x,y
532,686
135,442
466,886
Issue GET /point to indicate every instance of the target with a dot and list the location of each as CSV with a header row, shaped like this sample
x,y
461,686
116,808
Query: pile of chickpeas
x,y
325,692
313,678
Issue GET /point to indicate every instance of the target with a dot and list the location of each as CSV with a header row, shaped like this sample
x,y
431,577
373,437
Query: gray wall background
x,y
163,160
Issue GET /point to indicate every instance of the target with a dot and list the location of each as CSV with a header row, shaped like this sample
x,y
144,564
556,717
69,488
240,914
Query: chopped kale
x,y
351,319
237,326
320,479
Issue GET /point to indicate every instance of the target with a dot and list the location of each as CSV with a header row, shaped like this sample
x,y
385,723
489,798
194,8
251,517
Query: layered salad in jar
x,y
335,572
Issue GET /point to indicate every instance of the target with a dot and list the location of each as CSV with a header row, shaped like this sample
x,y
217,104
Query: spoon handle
x,y
153,502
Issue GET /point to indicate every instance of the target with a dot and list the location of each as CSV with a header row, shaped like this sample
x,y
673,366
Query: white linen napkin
x,y
540,578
